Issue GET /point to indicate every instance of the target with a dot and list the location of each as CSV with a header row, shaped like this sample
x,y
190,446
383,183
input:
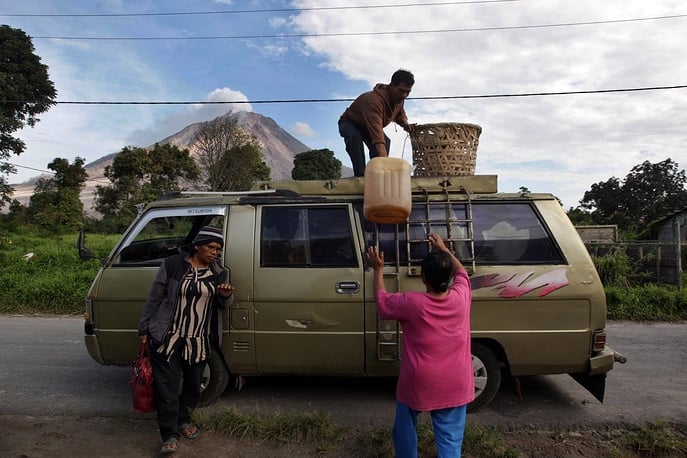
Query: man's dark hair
x,y
402,76
438,270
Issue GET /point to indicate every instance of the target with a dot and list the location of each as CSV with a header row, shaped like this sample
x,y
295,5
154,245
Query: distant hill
x,y
278,147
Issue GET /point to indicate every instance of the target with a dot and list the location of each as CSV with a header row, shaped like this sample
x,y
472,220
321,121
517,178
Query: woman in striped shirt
x,y
181,321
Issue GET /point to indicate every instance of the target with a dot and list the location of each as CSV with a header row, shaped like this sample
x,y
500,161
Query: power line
x,y
354,34
448,97
272,10
30,168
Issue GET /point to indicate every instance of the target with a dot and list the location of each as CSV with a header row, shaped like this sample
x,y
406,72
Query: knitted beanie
x,y
208,235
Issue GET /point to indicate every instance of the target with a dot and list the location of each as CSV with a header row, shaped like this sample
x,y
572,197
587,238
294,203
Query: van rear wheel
x,y
487,372
214,380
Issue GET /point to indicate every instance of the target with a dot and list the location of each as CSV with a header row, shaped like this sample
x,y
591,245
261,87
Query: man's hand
x,y
381,150
409,127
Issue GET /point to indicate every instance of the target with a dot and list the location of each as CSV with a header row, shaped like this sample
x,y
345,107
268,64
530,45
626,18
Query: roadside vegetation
x,y
317,433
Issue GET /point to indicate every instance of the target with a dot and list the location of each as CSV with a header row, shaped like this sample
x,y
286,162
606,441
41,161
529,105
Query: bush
x,y
646,303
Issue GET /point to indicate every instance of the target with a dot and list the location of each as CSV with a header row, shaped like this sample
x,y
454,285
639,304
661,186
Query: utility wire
x,y
354,34
448,97
272,10
30,168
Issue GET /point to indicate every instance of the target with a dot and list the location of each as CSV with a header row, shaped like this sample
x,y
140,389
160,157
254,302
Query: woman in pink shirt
x,y
436,373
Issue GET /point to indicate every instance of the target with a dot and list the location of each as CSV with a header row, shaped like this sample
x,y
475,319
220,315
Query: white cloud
x,y
303,129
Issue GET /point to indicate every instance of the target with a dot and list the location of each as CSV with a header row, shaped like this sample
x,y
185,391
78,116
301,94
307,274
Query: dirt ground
x,y
76,437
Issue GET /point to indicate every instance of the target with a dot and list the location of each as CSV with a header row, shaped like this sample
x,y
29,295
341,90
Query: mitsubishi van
x,y
304,301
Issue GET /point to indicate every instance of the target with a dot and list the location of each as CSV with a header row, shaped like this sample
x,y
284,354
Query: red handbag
x,y
141,382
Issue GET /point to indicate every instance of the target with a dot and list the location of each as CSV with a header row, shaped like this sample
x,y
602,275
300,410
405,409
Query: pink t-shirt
x,y
436,364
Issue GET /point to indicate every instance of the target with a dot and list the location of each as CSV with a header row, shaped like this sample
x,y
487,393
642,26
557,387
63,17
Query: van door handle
x,y
348,287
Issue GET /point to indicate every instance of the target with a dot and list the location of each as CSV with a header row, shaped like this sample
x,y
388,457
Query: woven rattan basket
x,y
445,149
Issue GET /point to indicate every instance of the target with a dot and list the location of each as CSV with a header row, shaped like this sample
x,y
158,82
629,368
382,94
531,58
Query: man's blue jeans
x,y
448,425
355,136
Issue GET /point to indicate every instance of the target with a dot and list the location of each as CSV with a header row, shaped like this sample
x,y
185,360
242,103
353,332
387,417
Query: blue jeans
x,y
448,425
354,136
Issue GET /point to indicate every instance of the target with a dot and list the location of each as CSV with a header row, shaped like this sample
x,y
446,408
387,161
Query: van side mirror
x,y
85,253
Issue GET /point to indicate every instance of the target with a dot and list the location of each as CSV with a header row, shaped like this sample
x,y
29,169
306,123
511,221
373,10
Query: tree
x,y
55,204
648,192
230,159
137,176
25,92
316,164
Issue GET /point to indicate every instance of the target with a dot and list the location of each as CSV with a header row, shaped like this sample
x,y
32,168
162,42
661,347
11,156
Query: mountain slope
x,y
278,146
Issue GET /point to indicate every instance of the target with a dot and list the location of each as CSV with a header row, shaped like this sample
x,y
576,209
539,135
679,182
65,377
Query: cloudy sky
x,y
474,62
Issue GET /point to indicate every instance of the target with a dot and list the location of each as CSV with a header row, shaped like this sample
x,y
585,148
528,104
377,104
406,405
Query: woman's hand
x,y
376,257
144,339
225,289
437,243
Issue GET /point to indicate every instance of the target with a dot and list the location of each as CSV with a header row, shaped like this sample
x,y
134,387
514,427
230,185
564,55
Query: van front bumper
x,y
93,348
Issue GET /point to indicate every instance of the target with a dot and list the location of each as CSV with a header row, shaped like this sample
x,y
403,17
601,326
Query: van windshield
x,y
163,233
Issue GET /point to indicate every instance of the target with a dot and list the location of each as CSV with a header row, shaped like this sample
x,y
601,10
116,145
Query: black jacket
x,y
156,319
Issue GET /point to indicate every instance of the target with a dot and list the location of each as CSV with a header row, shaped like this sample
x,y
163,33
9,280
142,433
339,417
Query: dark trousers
x,y
355,136
177,390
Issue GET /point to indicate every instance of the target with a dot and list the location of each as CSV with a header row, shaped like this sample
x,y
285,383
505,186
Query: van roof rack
x,y
474,184
177,194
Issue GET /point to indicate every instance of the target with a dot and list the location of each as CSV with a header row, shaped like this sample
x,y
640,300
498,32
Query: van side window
x,y
512,234
162,236
317,236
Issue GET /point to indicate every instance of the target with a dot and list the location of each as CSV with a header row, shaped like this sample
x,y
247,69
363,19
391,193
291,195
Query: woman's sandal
x,y
171,445
190,430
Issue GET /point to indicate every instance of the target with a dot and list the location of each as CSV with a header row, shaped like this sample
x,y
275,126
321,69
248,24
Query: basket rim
x,y
444,124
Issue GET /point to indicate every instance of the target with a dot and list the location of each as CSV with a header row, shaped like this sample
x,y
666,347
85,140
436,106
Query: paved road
x,y
45,370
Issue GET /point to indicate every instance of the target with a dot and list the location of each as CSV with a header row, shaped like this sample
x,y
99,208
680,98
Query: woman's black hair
x,y
438,270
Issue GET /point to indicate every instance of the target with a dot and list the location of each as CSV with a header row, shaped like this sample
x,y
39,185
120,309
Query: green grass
x,y
656,439
54,280
316,430
311,428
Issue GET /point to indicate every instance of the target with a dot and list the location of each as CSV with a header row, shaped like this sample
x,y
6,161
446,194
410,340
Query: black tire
x,y
214,380
487,376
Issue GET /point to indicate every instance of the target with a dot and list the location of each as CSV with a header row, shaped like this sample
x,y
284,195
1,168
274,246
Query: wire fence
x,y
656,262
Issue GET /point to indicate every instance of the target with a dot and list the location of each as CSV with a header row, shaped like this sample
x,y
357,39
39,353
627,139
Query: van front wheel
x,y
214,380
487,372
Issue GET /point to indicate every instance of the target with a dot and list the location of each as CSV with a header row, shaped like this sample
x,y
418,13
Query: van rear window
x,y
486,232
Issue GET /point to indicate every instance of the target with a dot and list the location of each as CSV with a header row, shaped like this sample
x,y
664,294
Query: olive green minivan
x,y
304,301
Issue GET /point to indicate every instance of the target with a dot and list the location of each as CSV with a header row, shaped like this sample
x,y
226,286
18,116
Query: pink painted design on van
x,y
516,285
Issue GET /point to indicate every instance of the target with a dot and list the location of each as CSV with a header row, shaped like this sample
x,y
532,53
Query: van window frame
x,y
203,215
393,238
301,244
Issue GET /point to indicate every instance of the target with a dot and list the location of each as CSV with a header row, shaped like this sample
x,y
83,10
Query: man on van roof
x,y
365,119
